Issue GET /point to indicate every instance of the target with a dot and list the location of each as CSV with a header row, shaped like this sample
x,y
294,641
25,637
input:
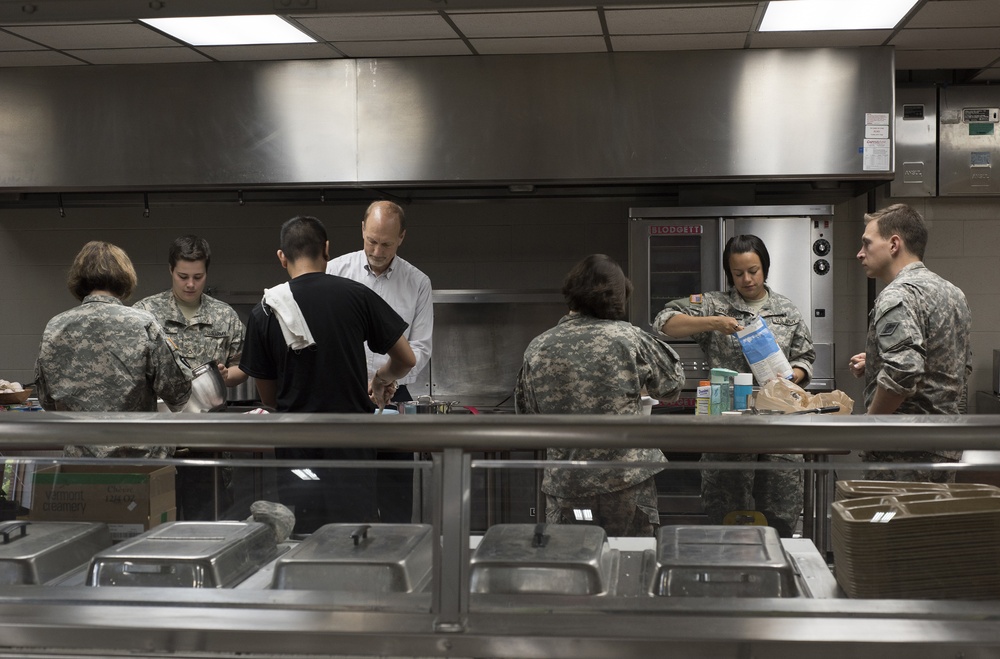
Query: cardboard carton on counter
x,y
129,499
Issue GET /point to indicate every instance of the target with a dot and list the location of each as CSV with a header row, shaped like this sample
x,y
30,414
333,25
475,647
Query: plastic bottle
x,y
721,399
742,391
703,403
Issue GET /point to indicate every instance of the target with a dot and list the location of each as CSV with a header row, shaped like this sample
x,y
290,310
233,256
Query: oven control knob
x,y
821,247
821,266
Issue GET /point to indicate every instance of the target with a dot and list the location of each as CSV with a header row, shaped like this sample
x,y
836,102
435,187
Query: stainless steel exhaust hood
x,y
675,123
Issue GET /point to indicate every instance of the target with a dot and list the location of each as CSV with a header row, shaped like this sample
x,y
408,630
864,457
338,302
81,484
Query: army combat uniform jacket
x,y
918,344
105,357
586,365
215,332
783,318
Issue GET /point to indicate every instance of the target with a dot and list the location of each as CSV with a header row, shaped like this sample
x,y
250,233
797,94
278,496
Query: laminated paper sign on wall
x,y
129,499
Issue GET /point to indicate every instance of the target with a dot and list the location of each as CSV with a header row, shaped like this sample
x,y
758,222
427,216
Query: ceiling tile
x,y
527,24
627,43
379,28
11,42
525,45
680,20
425,48
37,58
931,39
139,55
945,59
282,51
99,35
830,39
957,13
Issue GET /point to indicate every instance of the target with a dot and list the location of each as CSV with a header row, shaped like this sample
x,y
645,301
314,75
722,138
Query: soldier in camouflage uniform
x,y
203,329
918,356
712,320
592,362
105,357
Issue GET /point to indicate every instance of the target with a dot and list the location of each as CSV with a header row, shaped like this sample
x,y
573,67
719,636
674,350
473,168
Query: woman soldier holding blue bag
x,y
712,320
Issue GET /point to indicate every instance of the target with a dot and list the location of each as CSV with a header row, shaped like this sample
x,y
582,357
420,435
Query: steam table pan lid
x,y
558,559
186,555
35,553
368,558
722,561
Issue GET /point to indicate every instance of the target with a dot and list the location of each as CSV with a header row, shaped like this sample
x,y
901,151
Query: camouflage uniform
x,y
918,346
776,494
105,357
215,332
585,365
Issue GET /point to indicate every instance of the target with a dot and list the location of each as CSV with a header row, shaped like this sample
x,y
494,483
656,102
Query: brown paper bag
x,y
785,396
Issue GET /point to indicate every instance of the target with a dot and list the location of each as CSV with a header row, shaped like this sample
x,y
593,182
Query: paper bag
x,y
787,397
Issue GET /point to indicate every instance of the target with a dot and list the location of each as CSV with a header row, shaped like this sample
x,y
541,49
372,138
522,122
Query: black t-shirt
x,y
331,376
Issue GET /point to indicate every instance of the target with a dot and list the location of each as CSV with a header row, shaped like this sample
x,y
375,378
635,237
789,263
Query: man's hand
x,y
381,392
858,365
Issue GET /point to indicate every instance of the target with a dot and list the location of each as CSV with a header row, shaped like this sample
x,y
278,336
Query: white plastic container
x,y
647,405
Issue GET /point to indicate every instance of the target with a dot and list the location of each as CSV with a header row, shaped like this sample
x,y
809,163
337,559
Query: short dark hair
x,y
101,266
389,208
189,248
741,245
904,221
596,286
303,236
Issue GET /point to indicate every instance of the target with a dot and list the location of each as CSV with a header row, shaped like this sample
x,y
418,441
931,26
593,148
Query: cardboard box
x,y
129,499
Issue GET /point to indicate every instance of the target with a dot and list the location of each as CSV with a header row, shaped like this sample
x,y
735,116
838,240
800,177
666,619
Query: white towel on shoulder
x,y
293,326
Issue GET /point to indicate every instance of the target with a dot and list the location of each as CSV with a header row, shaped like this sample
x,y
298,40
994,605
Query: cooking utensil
x,y
426,405
208,389
829,409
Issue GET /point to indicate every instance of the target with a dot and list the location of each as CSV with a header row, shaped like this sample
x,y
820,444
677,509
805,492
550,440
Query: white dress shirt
x,y
408,292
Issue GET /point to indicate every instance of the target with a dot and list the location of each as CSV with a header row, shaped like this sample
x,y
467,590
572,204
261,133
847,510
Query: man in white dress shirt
x,y
408,292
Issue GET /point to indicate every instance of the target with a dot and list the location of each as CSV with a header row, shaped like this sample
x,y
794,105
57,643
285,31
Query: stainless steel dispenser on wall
x,y
970,141
916,143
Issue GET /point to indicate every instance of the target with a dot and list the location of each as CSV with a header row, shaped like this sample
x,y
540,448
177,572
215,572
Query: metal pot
x,y
208,389
425,405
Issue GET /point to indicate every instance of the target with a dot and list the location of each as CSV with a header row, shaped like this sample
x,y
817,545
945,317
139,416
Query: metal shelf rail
x,y
448,621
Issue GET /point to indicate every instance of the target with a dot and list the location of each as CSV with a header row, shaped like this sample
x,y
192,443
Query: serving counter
x,y
449,618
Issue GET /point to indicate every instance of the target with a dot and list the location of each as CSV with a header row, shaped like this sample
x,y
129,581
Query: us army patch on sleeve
x,y
695,299
888,329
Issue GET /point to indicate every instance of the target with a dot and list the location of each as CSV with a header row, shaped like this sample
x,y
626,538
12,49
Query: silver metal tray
x,y
186,555
40,552
369,558
556,559
721,561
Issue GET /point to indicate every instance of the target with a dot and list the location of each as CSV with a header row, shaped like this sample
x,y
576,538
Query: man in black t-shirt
x,y
315,362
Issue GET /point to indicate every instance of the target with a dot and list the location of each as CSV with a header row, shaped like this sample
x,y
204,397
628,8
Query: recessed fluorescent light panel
x,y
810,15
230,30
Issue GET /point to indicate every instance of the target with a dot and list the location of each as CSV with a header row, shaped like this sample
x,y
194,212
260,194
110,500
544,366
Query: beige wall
x,y
512,245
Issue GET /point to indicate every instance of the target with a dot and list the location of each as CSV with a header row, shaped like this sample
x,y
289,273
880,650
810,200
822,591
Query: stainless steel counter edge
x,y
763,434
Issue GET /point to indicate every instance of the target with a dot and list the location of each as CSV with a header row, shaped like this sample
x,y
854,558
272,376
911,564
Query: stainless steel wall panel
x,y
705,115
753,115
186,125
916,143
970,141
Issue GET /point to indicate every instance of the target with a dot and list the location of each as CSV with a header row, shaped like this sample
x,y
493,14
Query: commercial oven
x,y
676,252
